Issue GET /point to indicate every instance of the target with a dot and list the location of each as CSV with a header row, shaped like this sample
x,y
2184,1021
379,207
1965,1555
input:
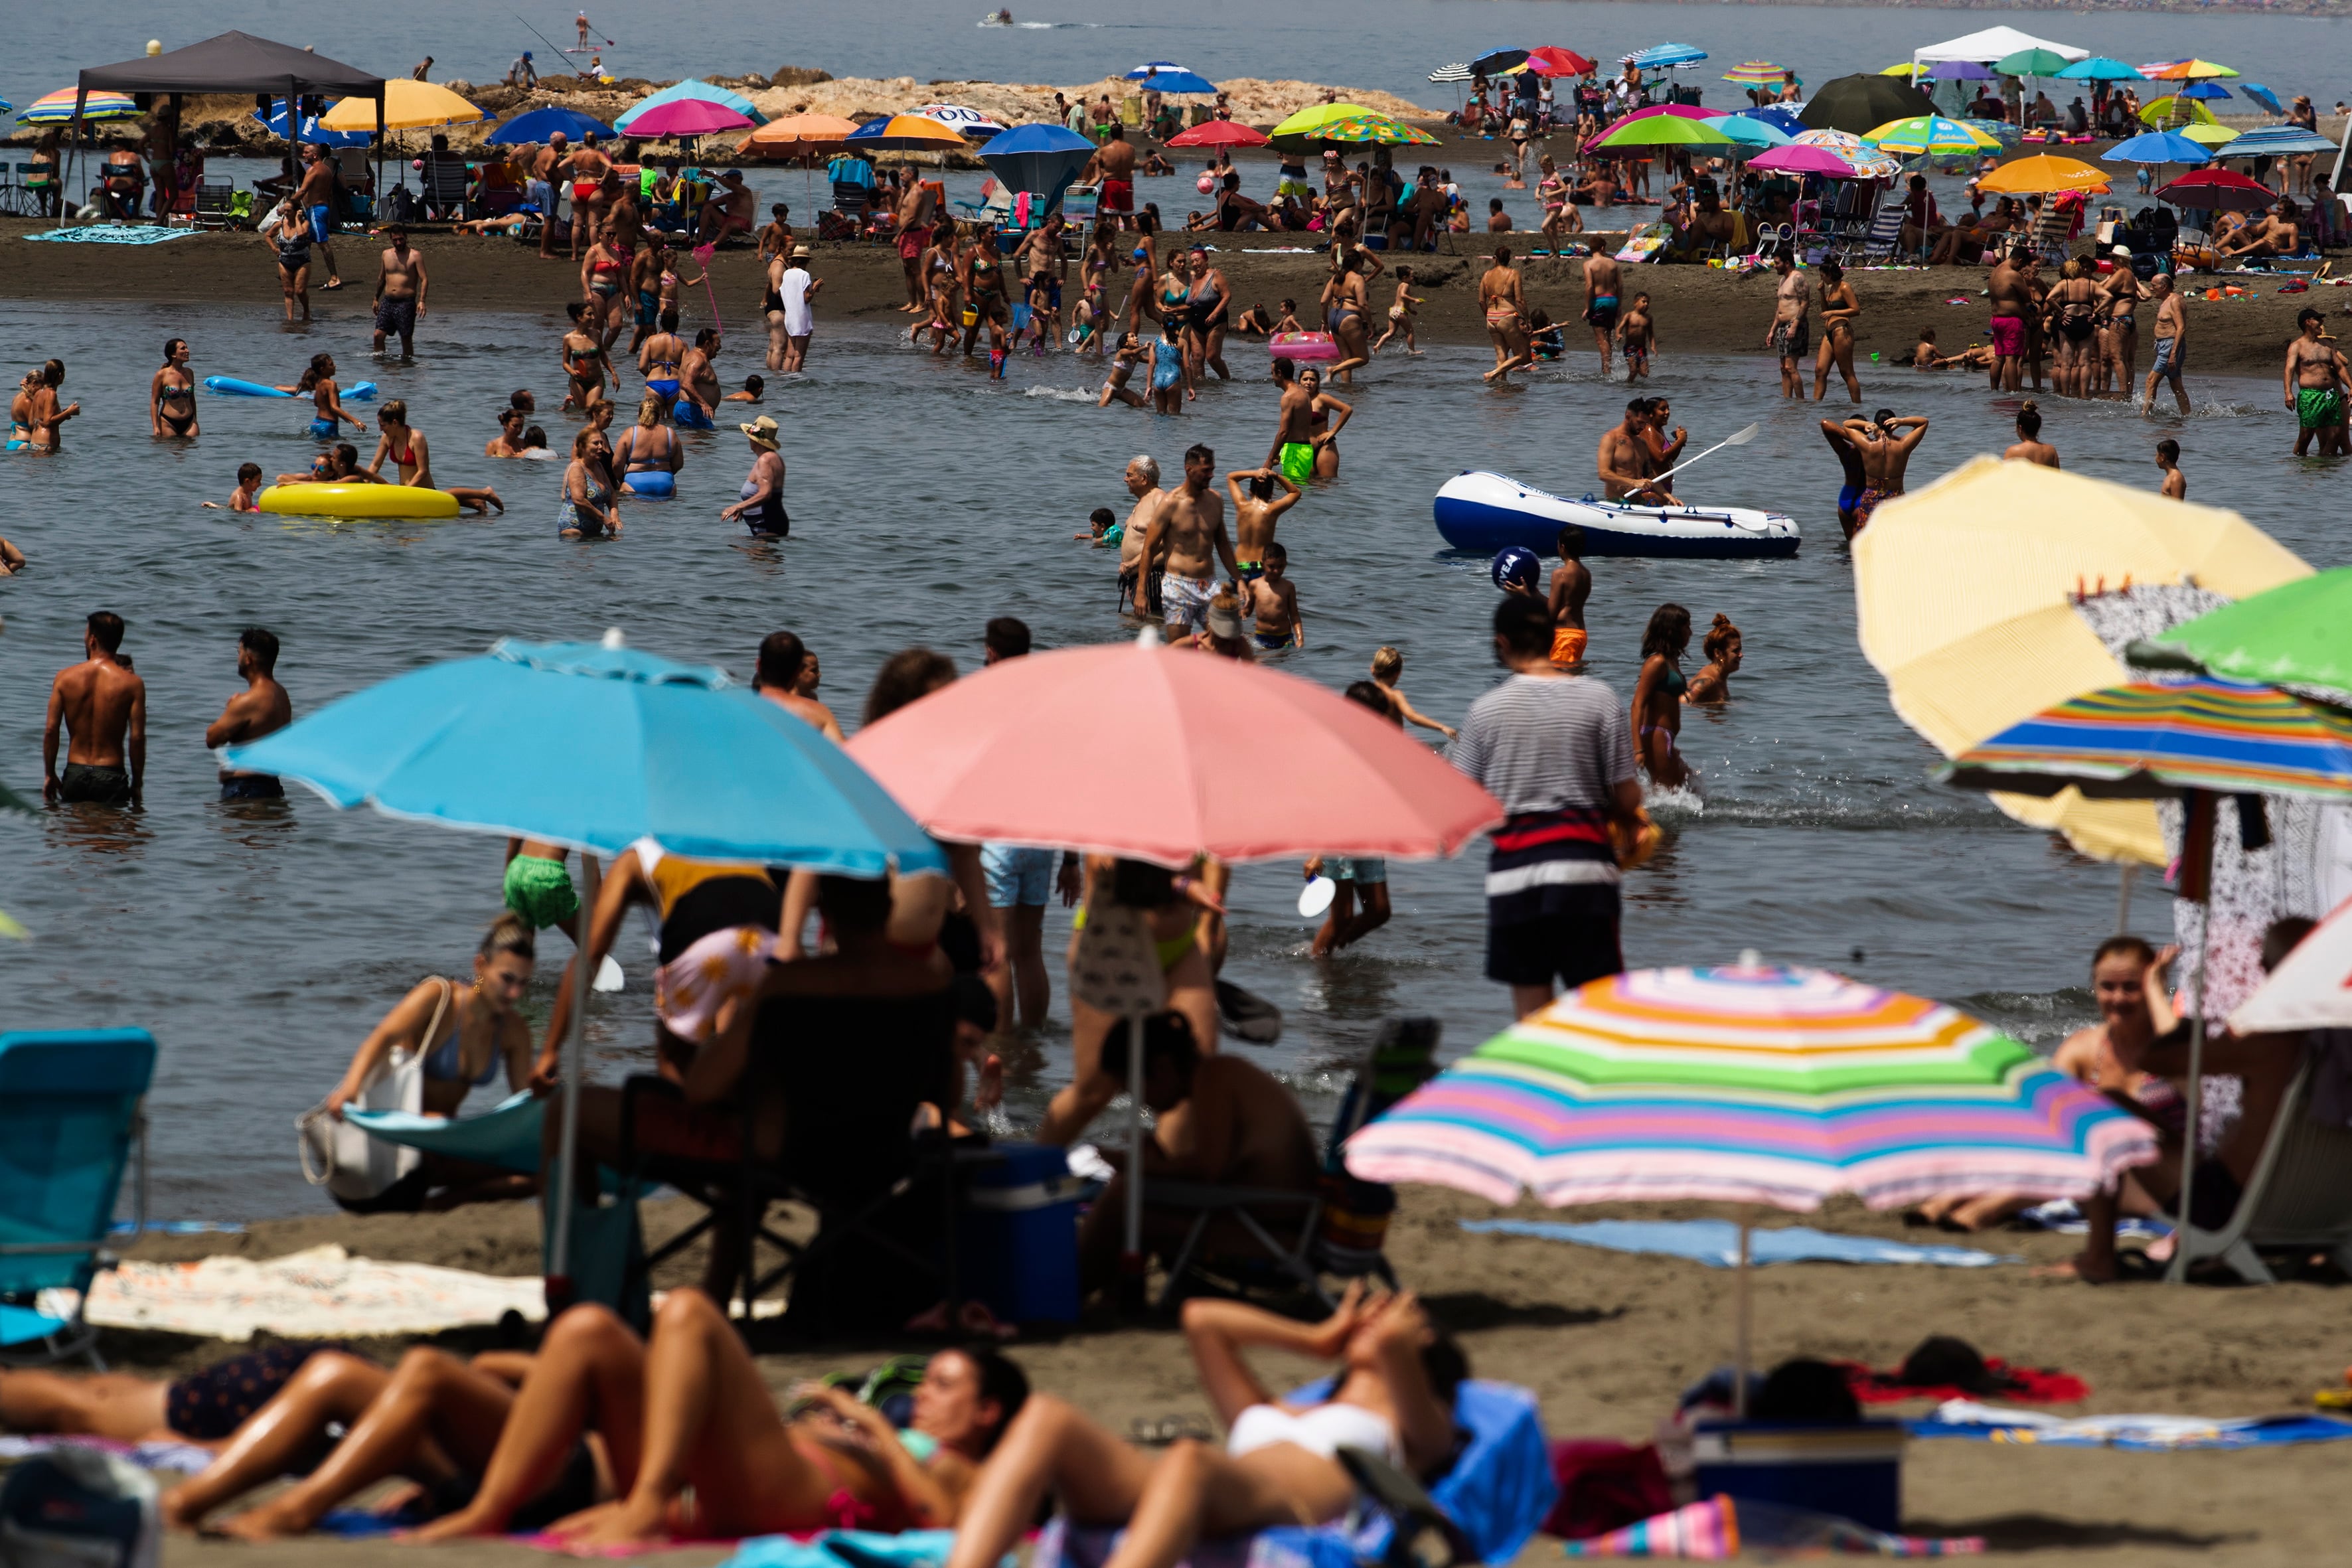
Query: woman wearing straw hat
x,y
762,508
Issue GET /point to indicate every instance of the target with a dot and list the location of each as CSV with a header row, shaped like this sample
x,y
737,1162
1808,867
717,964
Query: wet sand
x,y
1607,1341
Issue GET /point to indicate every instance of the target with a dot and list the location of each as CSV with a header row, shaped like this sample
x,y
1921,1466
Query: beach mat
x,y
112,234
1944,1369
1716,1242
2132,1434
1717,1529
321,1293
845,1549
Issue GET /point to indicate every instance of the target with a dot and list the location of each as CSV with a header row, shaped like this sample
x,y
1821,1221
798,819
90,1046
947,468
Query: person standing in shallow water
x,y
1657,716
103,705
261,709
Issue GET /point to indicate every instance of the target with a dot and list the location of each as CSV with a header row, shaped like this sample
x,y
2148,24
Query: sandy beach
x,y
1609,1340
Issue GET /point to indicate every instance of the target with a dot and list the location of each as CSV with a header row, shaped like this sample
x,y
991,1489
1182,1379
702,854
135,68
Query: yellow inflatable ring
x,y
358,501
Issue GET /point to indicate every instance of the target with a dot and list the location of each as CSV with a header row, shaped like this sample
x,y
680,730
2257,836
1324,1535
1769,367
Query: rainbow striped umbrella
x,y
57,108
1928,135
1379,129
1757,73
2150,738
1752,1084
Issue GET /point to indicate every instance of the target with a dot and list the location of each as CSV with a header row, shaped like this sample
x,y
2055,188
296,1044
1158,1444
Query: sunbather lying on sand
x,y
689,1410
1278,1464
204,1408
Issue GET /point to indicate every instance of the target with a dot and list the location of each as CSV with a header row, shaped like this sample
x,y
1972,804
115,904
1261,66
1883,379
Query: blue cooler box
x,y
1017,1235
1854,1472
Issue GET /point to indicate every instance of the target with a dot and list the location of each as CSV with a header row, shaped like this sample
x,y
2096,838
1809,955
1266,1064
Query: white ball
x,y
154,46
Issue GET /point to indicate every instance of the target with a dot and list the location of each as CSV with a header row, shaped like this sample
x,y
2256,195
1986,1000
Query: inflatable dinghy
x,y
1483,512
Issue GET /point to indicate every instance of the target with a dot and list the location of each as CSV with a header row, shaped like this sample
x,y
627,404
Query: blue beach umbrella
x,y
2205,89
1753,130
1781,117
2099,68
2263,96
1043,158
1167,76
1659,57
276,120
541,124
2156,147
1491,61
695,87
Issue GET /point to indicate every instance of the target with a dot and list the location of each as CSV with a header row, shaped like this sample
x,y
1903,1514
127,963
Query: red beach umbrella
x,y
1158,754
2216,189
1550,60
1219,134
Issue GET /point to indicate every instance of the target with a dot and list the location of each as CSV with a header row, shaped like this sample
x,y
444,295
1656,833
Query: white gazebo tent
x,y
1983,48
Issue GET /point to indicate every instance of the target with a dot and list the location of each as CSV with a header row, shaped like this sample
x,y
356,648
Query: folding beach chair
x,y
1885,239
216,203
1341,1223
2299,1196
69,1116
447,181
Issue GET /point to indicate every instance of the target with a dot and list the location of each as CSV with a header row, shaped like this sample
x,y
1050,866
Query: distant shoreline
x,y
2332,8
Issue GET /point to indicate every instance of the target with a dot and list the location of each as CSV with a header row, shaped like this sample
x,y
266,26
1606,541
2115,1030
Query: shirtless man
x,y
262,707
1138,588
1571,585
1505,307
399,291
315,198
1113,168
2277,235
1256,510
1190,523
698,379
912,218
547,166
1884,445
1293,452
2315,379
103,706
2012,302
1624,460
1602,286
2171,343
1791,331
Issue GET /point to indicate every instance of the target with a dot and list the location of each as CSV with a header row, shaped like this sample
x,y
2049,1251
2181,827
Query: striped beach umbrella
x,y
2150,738
1756,73
1458,71
1749,1084
1927,136
57,108
2184,71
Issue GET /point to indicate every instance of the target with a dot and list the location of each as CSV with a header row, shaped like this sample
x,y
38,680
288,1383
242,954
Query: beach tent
x,y
232,62
1993,44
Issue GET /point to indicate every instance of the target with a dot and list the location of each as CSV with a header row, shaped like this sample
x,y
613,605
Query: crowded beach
x,y
825,1258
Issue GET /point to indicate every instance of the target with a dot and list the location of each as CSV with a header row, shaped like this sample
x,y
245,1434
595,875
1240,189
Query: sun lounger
x,y
2299,1196
70,1118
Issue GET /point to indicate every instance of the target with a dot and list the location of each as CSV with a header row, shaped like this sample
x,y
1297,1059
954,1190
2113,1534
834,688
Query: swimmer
x,y
660,357
1256,510
507,442
1546,341
585,365
1123,362
338,465
698,391
247,496
534,445
761,510
406,448
317,384
172,395
1658,696
588,509
650,445
1637,336
754,388
1571,585
1712,685
2029,447
1271,599
1167,380
1388,668
12,560
1884,445
20,412
1849,456
2168,458
1102,528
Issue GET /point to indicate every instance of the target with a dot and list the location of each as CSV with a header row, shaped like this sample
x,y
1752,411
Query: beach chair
x,y
216,203
446,187
1884,241
1340,1223
2053,232
994,207
1081,204
2299,1197
69,1120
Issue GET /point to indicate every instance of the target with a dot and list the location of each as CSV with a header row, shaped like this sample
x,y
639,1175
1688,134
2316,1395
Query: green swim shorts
x,y
1298,462
2318,407
540,890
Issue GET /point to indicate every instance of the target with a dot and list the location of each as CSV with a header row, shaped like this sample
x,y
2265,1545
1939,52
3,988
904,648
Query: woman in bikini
x,y
172,395
1712,685
982,277
1343,313
20,412
317,384
2071,316
650,445
1560,217
1320,430
405,449
585,365
2119,332
1658,696
1839,307
1279,1463
603,281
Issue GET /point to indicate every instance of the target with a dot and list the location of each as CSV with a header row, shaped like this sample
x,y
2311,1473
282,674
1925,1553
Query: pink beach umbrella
x,y
1137,750
1795,160
686,117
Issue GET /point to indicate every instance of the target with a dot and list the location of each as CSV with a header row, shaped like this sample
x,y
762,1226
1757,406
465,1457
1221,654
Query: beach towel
x,y
2063,1216
320,1293
112,234
2135,1434
185,1459
1716,1242
1944,1368
847,1548
1719,1528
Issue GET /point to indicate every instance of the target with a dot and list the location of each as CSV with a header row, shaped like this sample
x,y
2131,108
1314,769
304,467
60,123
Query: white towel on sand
x,y
323,1292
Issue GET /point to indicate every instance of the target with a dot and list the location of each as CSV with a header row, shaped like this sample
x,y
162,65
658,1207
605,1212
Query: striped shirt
x,y
1552,749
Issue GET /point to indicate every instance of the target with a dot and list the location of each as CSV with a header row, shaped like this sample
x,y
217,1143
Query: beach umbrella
x,y
597,747
1659,131
1749,1084
969,123
2156,147
2291,636
1968,601
1378,131
1167,76
2277,140
2099,68
1927,136
1756,73
798,134
2032,62
2311,990
1779,116
903,133
57,108
1043,158
1752,132
1494,62
1348,123
2212,136
539,125
2187,110
1795,160
686,117
1219,134
1957,70
2263,96
1857,103
1665,56
1458,71
2043,174
2217,190
2205,91
1552,60
693,87
407,106
2184,71
311,132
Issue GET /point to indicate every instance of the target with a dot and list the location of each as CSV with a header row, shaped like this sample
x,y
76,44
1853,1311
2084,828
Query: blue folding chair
x,y
69,1117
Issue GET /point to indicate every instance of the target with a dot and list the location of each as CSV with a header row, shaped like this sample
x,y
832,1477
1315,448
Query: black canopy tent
x,y
232,62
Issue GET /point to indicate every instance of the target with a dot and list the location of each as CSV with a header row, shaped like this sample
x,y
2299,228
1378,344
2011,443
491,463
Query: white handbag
x,y
350,1163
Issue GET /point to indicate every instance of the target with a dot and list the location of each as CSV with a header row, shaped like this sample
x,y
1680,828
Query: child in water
x,y
1123,360
1388,668
754,388
1273,601
1637,335
1167,371
1544,339
245,497
1712,684
1401,316
1102,528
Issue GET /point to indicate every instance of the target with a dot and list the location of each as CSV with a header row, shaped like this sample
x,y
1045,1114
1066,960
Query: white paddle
x,y
1316,895
1736,438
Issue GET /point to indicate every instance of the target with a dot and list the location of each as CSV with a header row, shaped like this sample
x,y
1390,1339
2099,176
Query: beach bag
x,y
78,1508
348,1162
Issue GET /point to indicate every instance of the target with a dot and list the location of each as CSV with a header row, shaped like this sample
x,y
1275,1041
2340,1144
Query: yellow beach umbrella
x,y
407,106
2210,135
801,133
1965,597
2176,110
2041,174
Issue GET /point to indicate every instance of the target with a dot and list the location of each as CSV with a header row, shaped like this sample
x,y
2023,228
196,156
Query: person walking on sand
x,y
102,706
399,291
1791,331
2171,343
1839,309
1505,307
1602,282
261,709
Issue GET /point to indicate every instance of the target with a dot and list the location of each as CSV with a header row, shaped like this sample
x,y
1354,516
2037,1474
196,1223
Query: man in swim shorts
x,y
2171,342
1138,574
2012,297
1571,585
1114,166
316,197
1791,331
539,885
1191,524
259,710
103,705
399,291
1601,284
1293,452
2315,380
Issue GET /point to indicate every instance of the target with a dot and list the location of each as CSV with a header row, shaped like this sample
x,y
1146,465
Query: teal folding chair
x,y
70,1118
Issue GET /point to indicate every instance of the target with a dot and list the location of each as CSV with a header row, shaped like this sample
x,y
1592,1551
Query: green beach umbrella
x,y
1302,130
1377,129
2032,62
1930,136
2295,634
1659,131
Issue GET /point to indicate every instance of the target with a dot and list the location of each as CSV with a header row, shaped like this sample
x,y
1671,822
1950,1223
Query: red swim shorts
x,y
2008,336
1117,196
911,242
